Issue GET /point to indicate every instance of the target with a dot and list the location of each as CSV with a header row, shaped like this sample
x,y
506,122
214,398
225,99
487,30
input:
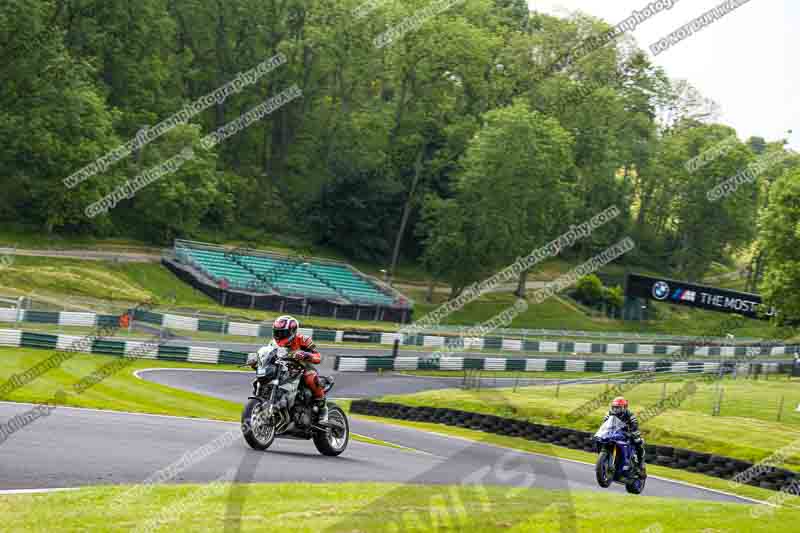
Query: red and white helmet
x,y
284,330
619,405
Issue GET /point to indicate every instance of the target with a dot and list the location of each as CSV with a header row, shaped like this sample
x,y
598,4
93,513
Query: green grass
x,y
122,391
747,428
372,507
22,237
551,450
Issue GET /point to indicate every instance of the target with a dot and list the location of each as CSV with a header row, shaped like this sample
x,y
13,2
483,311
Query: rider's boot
x,y
322,418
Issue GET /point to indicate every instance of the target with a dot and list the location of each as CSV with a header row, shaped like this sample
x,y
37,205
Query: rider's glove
x,y
301,356
252,360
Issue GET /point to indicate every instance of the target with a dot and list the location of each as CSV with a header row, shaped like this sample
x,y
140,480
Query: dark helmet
x,y
284,330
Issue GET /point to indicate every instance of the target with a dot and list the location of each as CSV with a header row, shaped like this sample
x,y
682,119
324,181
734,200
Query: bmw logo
x,y
660,290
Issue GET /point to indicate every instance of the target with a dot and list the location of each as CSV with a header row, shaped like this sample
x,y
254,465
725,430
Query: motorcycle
x,y
617,462
282,406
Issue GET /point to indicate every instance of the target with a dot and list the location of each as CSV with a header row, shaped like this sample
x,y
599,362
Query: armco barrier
x,y
678,458
346,363
195,354
167,352
252,329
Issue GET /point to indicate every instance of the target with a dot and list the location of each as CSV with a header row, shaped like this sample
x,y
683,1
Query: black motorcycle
x,y
282,406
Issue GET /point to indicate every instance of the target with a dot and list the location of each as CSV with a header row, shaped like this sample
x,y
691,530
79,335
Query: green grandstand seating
x,y
286,277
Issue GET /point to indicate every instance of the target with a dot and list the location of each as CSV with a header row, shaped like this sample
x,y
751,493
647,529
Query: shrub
x,y
589,290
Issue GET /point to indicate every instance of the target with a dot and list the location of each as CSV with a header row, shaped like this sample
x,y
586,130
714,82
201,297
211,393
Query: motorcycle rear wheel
x,y
257,431
601,470
328,442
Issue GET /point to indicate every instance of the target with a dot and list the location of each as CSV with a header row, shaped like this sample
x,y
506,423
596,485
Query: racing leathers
x,y
305,351
632,428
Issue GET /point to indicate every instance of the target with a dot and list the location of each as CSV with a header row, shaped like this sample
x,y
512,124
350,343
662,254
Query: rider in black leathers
x,y
619,408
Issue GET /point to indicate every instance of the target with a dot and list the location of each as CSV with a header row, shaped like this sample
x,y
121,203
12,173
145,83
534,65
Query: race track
x,y
235,385
78,447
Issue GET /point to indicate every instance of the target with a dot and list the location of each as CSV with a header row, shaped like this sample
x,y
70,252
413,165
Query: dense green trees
x,y
780,242
458,144
515,184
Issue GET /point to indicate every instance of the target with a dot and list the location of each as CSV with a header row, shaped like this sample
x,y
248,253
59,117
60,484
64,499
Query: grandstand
x,y
264,280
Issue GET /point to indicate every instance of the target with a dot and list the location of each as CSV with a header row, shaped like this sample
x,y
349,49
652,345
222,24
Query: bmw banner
x,y
698,296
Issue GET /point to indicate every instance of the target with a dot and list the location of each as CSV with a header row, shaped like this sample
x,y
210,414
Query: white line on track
x,y
34,491
113,412
189,370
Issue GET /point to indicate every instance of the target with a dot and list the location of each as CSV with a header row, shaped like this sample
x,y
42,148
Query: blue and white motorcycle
x,y
617,462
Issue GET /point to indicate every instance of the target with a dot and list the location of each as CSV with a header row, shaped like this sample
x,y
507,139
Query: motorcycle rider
x,y
304,351
619,408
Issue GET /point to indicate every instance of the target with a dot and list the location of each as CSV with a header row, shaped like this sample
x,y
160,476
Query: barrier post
x,y
395,348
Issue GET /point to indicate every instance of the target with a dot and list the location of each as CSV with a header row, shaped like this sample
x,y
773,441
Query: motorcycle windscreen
x,y
609,427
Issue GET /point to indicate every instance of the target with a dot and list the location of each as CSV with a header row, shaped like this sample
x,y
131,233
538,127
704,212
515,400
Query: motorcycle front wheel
x,y
256,429
601,470
637,485
333,441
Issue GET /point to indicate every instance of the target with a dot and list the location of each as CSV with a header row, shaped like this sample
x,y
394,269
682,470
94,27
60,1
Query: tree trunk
x,y
406,211
758,271
521,282
429,294
221,46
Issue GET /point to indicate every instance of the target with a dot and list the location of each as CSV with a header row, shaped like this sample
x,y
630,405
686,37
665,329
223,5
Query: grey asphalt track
x,y
78,447
235,386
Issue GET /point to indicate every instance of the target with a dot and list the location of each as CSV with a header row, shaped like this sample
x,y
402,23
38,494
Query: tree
x,y
53,121
692,230
455,250
589,290
174,205
514,181
779,227
355,223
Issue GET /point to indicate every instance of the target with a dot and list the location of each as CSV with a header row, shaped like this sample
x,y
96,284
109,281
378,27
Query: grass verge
x,y
372,507
747,427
